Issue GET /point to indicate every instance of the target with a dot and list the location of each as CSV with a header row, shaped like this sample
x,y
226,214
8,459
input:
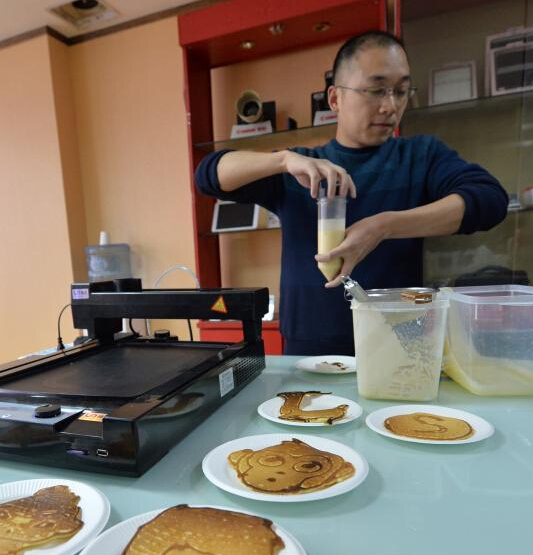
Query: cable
x,y
178,267
135,333
165,273
60,344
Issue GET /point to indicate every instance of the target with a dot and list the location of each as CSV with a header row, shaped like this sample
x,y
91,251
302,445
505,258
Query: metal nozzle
x,y
352,290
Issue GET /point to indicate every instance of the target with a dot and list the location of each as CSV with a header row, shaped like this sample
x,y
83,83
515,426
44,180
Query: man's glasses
x,y
377,94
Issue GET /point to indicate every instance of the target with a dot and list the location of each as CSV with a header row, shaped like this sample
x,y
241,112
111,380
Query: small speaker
x,y
268,113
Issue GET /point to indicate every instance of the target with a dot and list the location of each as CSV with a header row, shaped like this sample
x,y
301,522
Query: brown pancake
x,y
423,425
184,530
291,467
50,516
291,410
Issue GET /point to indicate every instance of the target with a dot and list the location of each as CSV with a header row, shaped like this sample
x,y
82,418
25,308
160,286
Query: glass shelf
x,y
489,102
517,210
262,229
278,140
320,134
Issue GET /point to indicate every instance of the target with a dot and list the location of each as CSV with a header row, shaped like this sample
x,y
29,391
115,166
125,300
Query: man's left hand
x,y
361,239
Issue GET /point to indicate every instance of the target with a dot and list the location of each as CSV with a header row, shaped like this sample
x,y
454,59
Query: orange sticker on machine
x,y
219,305
91,416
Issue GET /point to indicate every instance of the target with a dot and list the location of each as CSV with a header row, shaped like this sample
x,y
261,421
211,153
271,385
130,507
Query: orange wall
x,y
70,163
35,267
132,137
92,137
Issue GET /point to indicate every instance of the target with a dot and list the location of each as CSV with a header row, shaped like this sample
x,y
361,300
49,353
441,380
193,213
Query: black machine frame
x,y
125,430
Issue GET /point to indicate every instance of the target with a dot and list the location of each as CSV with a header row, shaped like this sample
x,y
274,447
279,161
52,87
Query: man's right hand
x,y
240,167
309,172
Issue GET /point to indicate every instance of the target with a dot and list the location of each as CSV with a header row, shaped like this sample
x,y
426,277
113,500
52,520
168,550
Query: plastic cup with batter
x,y
331,231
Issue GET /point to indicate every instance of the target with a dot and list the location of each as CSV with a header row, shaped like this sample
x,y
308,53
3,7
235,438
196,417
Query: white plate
x,y
270,409
219,471
312,364
114,540
482,429
93,504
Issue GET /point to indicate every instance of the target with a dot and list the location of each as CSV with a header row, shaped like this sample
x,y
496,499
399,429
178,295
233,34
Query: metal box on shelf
x,y
509,62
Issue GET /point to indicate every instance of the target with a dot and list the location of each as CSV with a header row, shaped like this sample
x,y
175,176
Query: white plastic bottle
x,y
331,231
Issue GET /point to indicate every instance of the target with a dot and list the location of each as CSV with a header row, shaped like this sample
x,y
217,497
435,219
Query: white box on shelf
x,y
324,117
251,129
509,61
511,69
453,82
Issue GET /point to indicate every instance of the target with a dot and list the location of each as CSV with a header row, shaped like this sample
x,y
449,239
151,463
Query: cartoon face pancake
x,y
423,425
291,467
291,410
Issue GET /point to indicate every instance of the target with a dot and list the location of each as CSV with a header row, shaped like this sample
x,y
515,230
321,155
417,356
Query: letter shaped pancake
x,y
291,410
184,530
290,467
423,425
49,516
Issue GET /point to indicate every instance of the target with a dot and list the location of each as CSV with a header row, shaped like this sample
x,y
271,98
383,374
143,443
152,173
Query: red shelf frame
x,y
231,331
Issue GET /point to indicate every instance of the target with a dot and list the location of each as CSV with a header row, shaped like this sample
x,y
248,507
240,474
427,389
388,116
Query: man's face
x,y
364,119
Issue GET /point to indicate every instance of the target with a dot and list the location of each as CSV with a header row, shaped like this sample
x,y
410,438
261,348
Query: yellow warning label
x,y
90,416
219,305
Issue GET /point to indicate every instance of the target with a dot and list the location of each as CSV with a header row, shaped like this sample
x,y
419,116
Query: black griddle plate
x,y
122,371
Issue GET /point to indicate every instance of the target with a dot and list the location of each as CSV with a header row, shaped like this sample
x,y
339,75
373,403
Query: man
x,y
407,189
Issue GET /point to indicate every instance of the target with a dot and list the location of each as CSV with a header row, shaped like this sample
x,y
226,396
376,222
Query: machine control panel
x,y
47,415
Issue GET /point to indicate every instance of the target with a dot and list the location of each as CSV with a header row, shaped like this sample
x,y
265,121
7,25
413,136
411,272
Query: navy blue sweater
x,y
400,174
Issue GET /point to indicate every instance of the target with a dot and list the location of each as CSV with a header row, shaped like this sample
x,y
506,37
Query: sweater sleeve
x,y
266,192
485,199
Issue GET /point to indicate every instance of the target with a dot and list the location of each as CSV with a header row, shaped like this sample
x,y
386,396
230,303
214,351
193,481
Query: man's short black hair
x,y
359,42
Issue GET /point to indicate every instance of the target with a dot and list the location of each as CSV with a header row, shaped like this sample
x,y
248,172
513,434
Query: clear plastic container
x,y
331,231
107,262
399,346
489,342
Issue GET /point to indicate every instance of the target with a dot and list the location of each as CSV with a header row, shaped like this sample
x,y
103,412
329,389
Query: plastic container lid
x,y
491,294
391,300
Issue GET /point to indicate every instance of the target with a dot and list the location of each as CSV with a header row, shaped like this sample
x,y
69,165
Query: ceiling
x,y
22,16
18,17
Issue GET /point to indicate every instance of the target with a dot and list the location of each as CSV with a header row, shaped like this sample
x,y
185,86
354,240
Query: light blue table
x,y
417,499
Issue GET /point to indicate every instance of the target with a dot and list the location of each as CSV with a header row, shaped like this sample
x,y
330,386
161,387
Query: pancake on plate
x,y
291,467
291,410
48,517
184,530
331,366
422,425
